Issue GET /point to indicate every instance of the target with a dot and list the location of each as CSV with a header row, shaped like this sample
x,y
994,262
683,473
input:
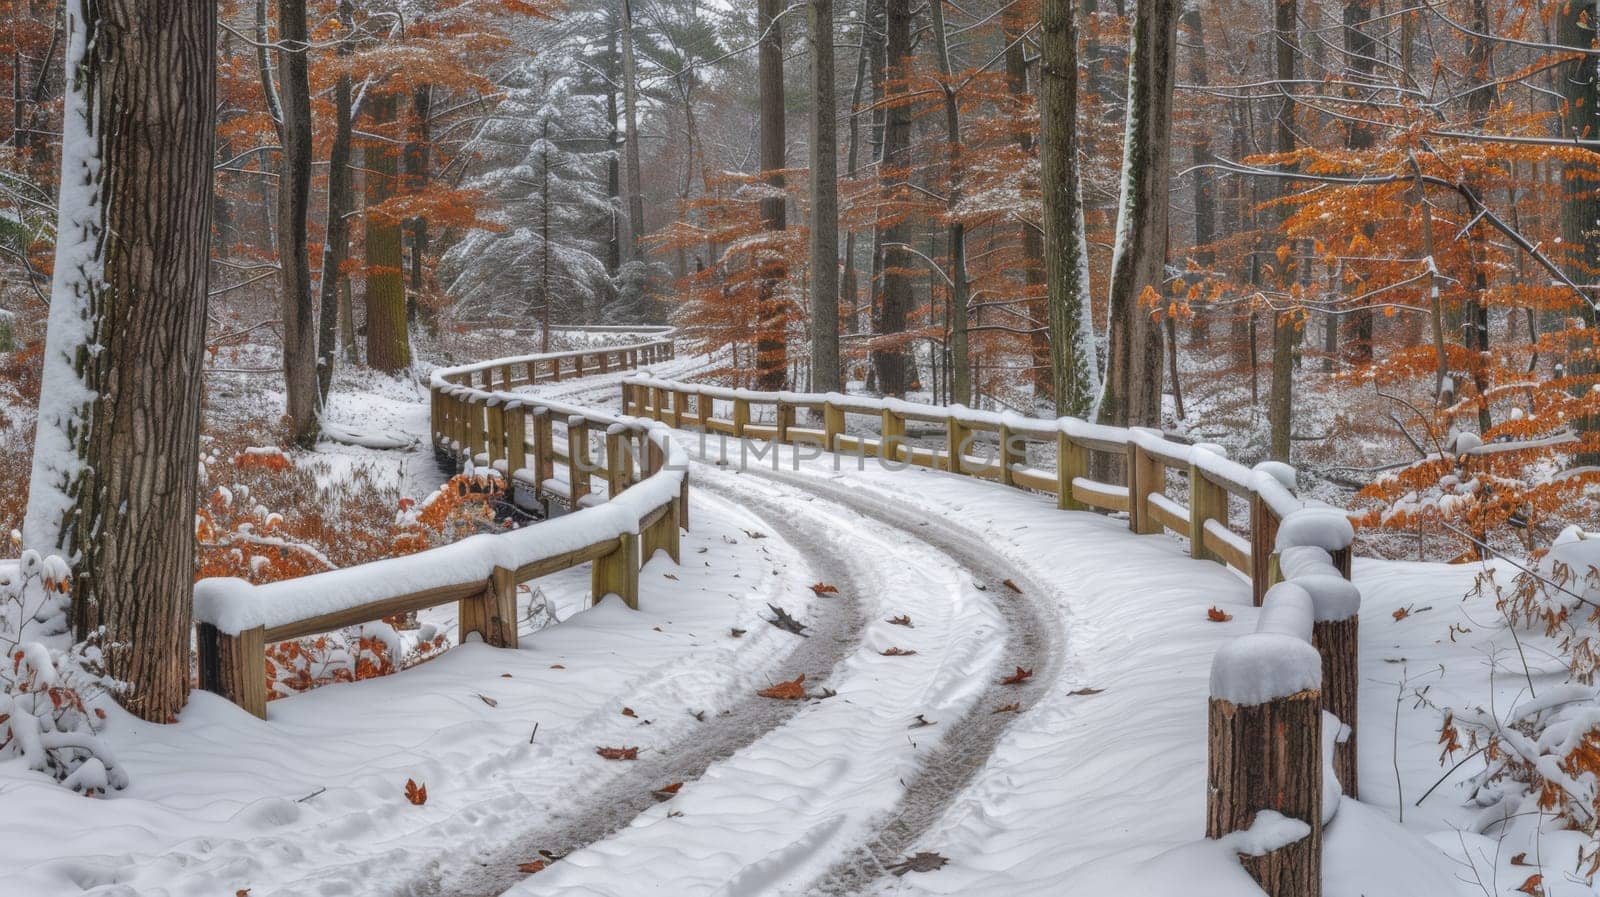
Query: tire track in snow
x,y
832,637
1030,642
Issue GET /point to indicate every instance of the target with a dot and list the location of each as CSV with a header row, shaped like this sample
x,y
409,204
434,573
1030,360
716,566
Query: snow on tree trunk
x,y
1073,367
1132,391
115,459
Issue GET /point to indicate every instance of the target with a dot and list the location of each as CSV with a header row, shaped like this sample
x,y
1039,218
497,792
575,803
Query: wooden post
x,y
459,420
658,403
678,399
832,425
741,415
1072,461
662,534
1006,457
785,420
891,433
1207,501
516,423
555,368
497,431
702,409
505,377
605,362
1337,641
1269,757
493,614
235,666
1145,476
1263,548
577,365
618,572
955,440
544,462
619,464
579,464
474,430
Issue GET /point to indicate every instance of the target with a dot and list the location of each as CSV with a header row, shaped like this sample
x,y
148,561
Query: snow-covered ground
x,y
1092,784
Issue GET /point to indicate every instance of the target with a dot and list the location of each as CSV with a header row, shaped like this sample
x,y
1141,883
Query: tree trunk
x,y
388,342
1132,393
849,290
1072,360
956,230
1580,208
772,317
630,138
1359,49
1205,201
1033,264
294,204
336,244
1280,400
824,203
417,160
613,165
113,482
895,369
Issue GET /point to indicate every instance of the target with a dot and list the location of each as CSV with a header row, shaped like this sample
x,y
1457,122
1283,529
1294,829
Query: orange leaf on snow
x,y
823,588
1533,886
1012,707
1218,615
896,652
666,792
793,690
901,620
628,711
1018,677
1012,586
611,753
417,794
1401,613
530,868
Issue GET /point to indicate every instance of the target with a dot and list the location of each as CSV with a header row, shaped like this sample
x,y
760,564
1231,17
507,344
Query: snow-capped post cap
x,y
1332,596
1323,527
1300,560
1284,473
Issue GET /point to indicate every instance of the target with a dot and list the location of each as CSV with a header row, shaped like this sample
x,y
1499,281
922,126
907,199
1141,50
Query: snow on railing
x,y
640,510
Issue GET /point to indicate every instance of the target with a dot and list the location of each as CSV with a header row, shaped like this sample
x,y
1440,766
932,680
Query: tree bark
x,y
955,229
388,342
1072,361
824,203
1132,392
1280,399
113,483
772,321
630,138
894,366
336,243
1204,183
1359,50
1580,208
418,157
1033,264
294,208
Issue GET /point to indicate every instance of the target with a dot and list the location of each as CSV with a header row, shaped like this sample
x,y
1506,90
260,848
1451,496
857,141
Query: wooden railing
x,y
1270,689
1148,465
613,472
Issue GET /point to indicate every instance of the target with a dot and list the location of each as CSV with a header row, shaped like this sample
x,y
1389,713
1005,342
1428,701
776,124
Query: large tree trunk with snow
x,y
891,359
1280,400
336,243
824,203
114,471
294,201
772,324
1072,358
1132,392
388,341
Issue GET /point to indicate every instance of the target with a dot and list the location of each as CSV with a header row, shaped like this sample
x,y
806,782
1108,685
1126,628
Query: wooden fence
x,y
1267,753
613,472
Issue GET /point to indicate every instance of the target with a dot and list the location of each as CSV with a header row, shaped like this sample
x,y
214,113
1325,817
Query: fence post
x,y
1207,501
1338,643
1072,461
955,449
458,419
505,376
1263,548
579,463
516,423
619,466
785,420
1145,475
662,534
497,432
474,430
577,365
1005,457
891,433
235,666
741,415
493,614
832,425
678,399
544,462
605,362
618,572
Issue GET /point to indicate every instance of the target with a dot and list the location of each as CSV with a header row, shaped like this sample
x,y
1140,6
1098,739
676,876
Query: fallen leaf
x,y
1520,859
793,690
505,675
628,711
901,620
1013,587
823,588
1012,707
755,535
1218,615
1401,613
1533,886
242,892
738,633
666,792
921,722
488,700
557,666
530,868
630,753
785,622
671,576
417,794
925,861
1017,677
656,628
896,652
1086,691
